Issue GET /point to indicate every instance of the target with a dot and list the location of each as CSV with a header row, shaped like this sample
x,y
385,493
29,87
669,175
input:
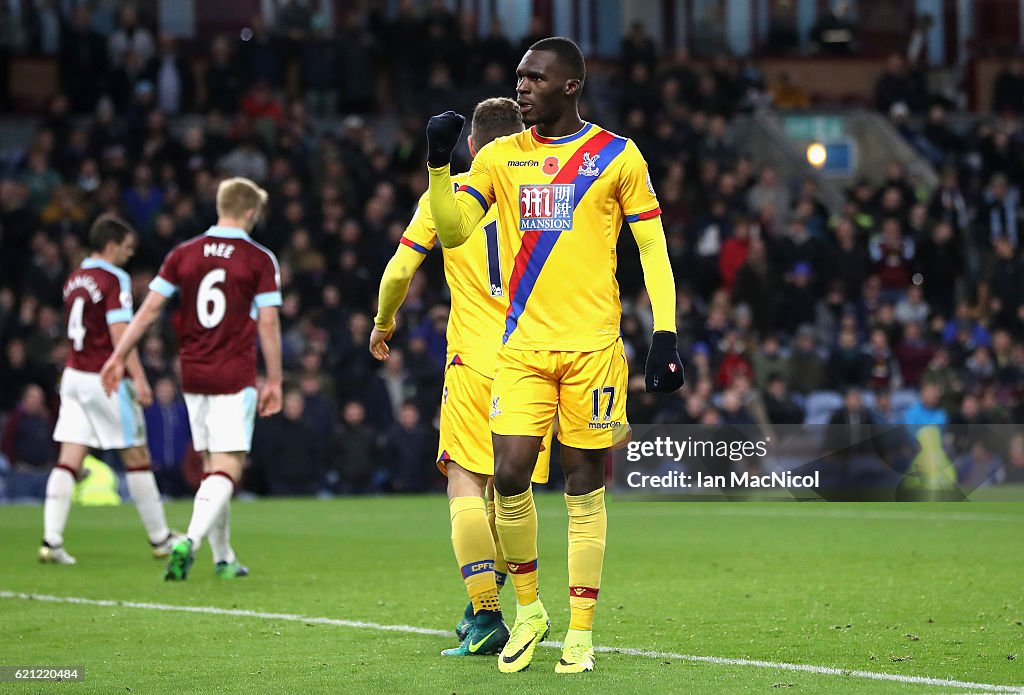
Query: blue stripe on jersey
x,y
561,141
406,241
249,413
267,299
227,232
122,315
163,287
476,194
546,240
124,398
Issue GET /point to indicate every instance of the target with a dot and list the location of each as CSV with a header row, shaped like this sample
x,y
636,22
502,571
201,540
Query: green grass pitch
x,y
922,590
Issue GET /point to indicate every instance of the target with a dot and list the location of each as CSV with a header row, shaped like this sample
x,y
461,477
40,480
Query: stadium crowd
x,y
913,299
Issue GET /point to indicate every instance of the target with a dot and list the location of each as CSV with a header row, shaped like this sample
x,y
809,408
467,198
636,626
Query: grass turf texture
x,y
921,590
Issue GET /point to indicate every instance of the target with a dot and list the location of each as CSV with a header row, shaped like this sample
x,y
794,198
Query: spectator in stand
x,y
798,300
779,405
734,253
285,450
223,79
757,285
893,257
847,366
948,204
805,369
638,49
1008,89
770,192
408,445
1007,286
83,61
143,200
1015,460
172,78
896,85
768,360
999,217
912,308
835,33
130,38
260,56
939,259
979,466
881,367
355,452
28,446
169,437
927,409
914,354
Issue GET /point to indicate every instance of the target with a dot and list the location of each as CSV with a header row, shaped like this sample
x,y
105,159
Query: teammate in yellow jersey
x,y
562,189
474,335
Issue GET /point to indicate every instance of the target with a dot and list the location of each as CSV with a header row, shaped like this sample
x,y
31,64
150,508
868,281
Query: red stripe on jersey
x,y
568,174
583,592
522,258
649,214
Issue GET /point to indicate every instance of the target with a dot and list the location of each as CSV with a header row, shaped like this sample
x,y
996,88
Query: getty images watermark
x,y
668,449
849,462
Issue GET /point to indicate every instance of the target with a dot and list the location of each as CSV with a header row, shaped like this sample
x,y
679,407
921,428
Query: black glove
x,y
664,373
442,136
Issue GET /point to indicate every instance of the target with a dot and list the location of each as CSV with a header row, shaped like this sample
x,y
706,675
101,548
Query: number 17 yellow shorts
x,y
465,433
586,389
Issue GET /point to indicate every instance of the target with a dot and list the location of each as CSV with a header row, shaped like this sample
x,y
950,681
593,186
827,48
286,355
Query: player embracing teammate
x,y
562,190
229,288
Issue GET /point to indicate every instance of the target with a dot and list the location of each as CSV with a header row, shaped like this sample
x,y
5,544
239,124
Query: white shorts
x,y
222,423
90,417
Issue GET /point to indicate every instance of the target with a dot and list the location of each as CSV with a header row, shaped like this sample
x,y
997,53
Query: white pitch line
x,y
410,629
805,510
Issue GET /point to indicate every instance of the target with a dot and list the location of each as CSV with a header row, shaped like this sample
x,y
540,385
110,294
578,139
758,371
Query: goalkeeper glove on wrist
x,y
443,133
664,373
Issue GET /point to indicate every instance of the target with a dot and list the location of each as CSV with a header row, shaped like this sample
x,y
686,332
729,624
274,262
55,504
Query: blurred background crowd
x,y
905,305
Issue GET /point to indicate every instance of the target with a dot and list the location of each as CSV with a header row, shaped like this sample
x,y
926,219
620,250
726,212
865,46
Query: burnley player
x,y
473,272
97,309
563,190
230,289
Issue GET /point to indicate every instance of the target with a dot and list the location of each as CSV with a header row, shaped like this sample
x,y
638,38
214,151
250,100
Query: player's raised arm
x,y
455,217
394,283
269,328
149,312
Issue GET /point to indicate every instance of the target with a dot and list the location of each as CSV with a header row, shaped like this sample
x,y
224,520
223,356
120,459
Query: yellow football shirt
x,y
560,206
474,276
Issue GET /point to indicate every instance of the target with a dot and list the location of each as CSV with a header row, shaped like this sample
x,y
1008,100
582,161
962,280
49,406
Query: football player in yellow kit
x,y
562,189
475,326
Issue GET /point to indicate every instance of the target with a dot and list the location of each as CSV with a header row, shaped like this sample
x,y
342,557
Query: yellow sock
x,y
516,522
500,568
588,528
474,551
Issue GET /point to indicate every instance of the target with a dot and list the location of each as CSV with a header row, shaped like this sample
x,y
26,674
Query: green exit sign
x,y
813,127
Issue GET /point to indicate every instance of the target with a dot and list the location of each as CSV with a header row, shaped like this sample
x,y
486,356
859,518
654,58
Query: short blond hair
x,y
237,196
